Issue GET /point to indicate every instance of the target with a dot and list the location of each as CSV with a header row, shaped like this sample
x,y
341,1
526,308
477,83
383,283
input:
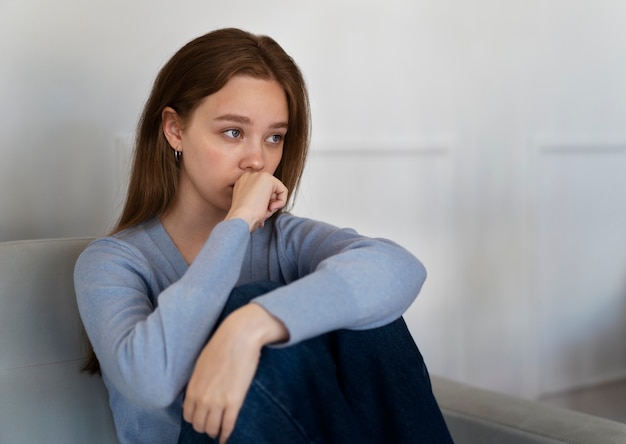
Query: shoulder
x,y
319,240
288,225
121,249
322,240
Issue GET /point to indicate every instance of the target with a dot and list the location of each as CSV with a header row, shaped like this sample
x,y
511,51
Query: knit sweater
x,y
148,314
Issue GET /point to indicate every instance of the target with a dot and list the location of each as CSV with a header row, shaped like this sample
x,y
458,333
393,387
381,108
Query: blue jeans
x,y
366,386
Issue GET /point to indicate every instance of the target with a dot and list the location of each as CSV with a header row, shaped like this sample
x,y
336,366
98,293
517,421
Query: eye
x,y
275,138
233,133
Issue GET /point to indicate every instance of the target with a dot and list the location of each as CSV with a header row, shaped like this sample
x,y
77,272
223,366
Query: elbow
x,y
159,396
407,272
144,382
161,399
419,274
408,276
150,393
401,279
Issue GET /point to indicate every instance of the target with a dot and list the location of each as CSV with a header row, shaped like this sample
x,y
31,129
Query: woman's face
x,y
240,128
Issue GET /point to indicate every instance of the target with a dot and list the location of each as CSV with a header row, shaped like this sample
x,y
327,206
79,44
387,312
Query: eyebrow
x,y
246,121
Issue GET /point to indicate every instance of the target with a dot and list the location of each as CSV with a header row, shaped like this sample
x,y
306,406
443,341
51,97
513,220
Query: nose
x,y
253,158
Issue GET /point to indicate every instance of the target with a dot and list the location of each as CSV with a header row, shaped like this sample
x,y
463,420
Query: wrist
x,y
248,219
256,326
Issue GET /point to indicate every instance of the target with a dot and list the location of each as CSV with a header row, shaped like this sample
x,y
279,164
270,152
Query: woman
x,y
211,302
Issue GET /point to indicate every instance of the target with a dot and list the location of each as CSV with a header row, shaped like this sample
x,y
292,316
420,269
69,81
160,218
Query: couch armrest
x,y
480,416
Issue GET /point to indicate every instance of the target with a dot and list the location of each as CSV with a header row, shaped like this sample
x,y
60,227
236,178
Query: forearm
x,y
225,368
359,289
336,278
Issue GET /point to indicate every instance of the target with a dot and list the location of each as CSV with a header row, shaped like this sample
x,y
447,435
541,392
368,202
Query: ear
x,y
172,128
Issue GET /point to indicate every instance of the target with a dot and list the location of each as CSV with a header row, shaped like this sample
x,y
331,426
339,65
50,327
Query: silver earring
x,y
178,155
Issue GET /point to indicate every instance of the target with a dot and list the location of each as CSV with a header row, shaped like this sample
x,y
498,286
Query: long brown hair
x,y
200,68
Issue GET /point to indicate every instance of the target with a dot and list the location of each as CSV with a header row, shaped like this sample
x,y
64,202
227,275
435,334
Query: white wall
x,y
488,137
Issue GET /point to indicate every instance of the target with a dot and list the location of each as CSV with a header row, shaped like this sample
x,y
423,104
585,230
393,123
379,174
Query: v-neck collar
x,y
168,248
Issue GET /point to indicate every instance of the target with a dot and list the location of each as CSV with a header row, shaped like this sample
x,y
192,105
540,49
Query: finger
x,y
274,206
188,409
228,423
199,419
213,424
281,194
279,199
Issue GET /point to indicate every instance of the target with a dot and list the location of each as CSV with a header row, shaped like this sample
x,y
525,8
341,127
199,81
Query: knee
x,y
243,294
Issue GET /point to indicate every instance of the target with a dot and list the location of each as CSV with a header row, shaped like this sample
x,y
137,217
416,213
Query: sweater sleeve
x,y
340,279
148,353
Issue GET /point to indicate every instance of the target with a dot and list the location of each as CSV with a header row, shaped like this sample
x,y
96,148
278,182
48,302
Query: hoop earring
x,y
178,155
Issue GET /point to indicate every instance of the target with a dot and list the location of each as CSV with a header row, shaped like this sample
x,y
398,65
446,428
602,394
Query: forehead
x,y
245,94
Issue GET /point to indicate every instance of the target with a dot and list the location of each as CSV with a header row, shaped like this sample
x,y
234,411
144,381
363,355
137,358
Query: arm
x,y
227,364
339,279
225,369
148,353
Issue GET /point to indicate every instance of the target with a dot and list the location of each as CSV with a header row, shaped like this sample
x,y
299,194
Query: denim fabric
x,y
368,386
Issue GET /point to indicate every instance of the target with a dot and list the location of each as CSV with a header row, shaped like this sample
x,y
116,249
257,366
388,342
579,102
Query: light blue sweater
x,y
148,314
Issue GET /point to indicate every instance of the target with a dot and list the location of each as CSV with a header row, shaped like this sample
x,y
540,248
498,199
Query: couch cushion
x,y
43,395
481,416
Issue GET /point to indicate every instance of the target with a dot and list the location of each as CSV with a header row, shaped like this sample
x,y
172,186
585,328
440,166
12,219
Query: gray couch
x,y
44,397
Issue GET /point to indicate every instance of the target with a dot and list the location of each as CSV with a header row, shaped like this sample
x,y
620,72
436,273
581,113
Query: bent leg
x,y
384,377
262,419
365,386
294,397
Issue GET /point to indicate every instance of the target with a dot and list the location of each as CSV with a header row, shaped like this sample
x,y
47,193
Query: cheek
x,y
210,156
274,159
205,165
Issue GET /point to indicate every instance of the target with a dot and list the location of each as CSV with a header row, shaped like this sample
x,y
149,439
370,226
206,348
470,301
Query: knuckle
x,y
197,426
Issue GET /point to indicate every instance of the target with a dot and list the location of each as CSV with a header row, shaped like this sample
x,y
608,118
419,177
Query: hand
x,y
225,368
256,197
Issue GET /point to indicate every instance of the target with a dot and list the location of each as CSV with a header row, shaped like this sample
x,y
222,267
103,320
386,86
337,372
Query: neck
x,y
189,230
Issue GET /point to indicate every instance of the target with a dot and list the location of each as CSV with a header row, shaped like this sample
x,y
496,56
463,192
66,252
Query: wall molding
x,y
427,145
587,144
547,154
